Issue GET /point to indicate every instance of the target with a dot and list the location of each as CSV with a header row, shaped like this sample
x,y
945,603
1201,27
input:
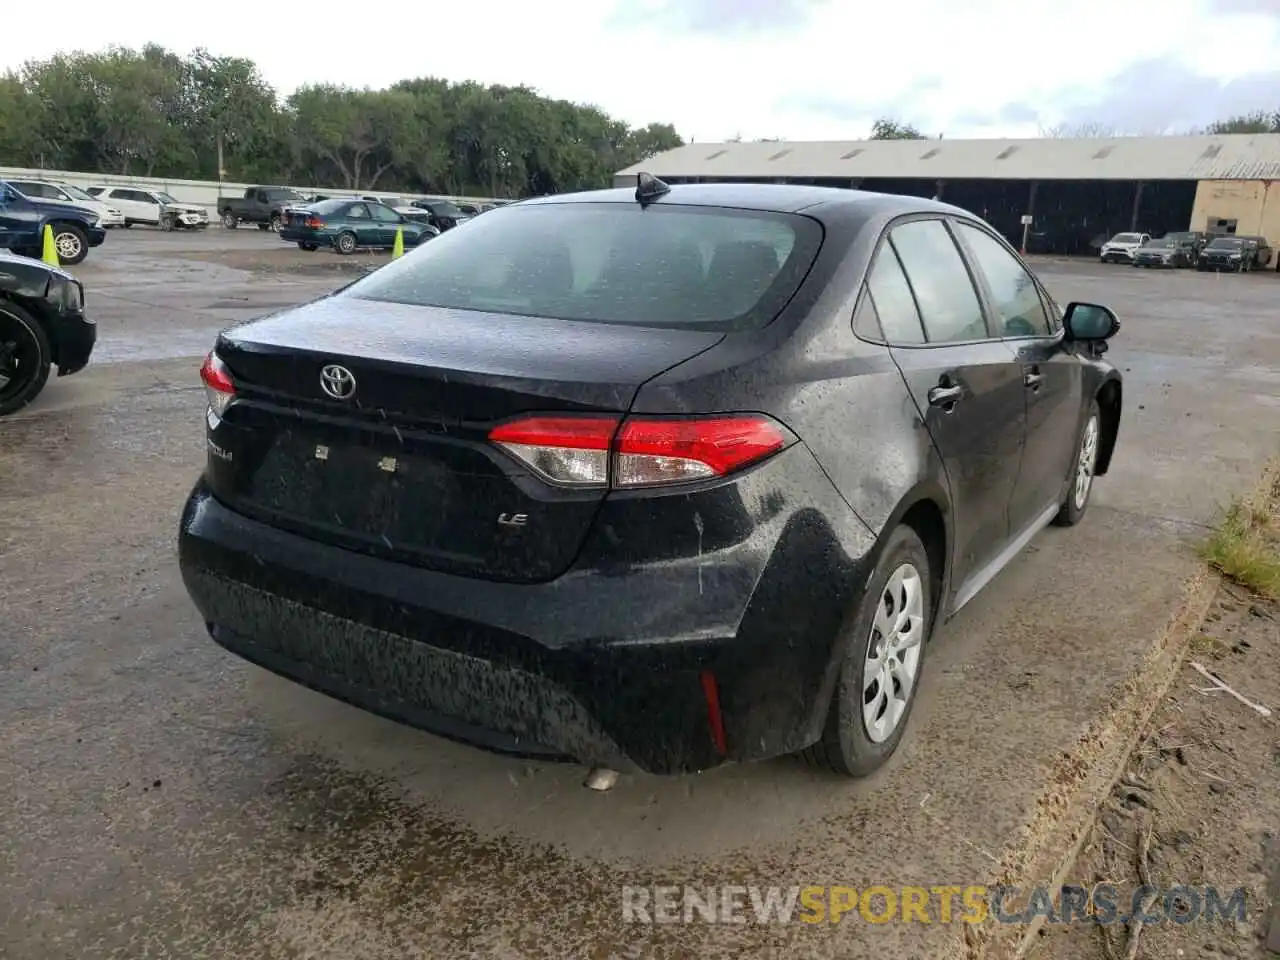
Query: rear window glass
x,y
324,207
444,208
667,266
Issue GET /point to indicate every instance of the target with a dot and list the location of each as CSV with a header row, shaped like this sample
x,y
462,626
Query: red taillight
x,y
218,385
313,223
638,451
668,451
573,451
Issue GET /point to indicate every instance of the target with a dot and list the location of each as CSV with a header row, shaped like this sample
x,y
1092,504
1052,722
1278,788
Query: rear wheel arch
x,y
926,510
926,518
1109,396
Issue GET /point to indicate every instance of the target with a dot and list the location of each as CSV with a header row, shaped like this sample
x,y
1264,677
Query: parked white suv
x,y
55,191
1122,247
154,207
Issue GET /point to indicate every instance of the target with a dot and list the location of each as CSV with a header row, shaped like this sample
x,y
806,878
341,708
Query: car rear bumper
x,y
304,235
74,336
633,668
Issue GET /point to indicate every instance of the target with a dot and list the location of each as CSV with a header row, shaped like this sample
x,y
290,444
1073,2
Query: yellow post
x,y
397,250
50,253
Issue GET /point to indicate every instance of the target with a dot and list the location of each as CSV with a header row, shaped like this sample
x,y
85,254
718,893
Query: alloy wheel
x,y
68,245
1085,463
19,357
892,663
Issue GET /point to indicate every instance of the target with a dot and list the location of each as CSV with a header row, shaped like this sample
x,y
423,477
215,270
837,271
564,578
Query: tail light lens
x,y
313,223
218,385
571,451
639,451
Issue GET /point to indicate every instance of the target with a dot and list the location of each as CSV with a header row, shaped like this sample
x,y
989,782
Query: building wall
x,y
1253,204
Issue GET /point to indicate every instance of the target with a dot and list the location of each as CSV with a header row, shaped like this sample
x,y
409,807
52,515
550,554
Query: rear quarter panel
x,y
843,397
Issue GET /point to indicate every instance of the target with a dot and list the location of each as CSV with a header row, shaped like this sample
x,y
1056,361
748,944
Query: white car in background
x,y
153,207
1122,248
55,191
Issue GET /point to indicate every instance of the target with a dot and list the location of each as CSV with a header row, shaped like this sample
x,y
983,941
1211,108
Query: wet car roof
x,y
781,198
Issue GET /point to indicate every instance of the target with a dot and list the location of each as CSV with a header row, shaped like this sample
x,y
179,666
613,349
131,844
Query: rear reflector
x,y
218,385
638,451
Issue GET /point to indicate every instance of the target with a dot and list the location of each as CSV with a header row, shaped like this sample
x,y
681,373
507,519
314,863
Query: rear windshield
x,y
443,208
705,268
325,207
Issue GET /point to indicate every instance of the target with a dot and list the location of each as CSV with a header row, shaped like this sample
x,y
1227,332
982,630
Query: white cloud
x,y
936,63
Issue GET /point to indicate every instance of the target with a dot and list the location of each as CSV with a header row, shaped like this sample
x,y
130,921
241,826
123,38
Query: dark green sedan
x,y
347,225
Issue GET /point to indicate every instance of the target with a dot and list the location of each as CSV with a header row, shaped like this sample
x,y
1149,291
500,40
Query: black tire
x,y
846,747
71,243
345,243
264,227
127,224
230,221
275,223
309,247
1073,509
23,339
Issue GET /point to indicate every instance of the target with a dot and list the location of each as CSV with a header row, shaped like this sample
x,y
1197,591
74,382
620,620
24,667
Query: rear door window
x,y
894,304
1015,300
664,266
944,291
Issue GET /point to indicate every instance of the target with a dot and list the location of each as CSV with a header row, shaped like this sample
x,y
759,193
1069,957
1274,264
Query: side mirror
x,y
1089,322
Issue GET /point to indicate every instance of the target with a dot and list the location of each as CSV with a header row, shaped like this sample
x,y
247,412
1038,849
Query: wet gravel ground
x,y
168,800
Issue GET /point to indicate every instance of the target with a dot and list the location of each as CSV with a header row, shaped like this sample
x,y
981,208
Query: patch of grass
x,y
1245,546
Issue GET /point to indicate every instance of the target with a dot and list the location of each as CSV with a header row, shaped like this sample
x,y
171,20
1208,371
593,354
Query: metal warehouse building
x,y
1075,191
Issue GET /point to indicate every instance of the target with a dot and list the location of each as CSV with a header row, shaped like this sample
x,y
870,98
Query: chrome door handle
x,y
945,396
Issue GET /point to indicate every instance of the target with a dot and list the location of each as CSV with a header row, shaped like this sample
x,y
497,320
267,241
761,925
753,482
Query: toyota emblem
x,y
338,382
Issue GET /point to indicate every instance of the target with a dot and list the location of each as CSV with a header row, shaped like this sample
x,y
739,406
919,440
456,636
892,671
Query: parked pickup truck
x,y
23,219
263,206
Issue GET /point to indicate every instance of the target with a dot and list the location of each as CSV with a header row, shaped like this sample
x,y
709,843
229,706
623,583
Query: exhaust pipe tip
x,y
601,779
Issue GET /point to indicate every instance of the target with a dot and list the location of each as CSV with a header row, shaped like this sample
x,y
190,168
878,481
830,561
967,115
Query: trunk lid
x,y
402,466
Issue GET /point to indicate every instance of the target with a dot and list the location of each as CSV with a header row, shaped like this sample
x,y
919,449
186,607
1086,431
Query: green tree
x,y
153,111
888,129
1258,122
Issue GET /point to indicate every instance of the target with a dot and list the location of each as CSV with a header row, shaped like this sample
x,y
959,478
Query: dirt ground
x,y
1201,796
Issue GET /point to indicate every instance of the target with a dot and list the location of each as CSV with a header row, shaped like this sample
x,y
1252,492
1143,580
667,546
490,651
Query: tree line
x,y
153,112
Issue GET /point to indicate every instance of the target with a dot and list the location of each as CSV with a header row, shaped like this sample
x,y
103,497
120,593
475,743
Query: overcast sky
x,y
797,69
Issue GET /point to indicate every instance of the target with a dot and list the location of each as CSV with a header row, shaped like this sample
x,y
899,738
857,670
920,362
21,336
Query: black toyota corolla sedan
x,y
650,479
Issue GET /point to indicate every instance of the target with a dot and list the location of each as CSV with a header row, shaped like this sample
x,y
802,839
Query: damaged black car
x,y
42,326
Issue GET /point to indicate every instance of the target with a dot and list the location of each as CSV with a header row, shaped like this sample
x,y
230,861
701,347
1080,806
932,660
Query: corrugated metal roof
x,y
1227,157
